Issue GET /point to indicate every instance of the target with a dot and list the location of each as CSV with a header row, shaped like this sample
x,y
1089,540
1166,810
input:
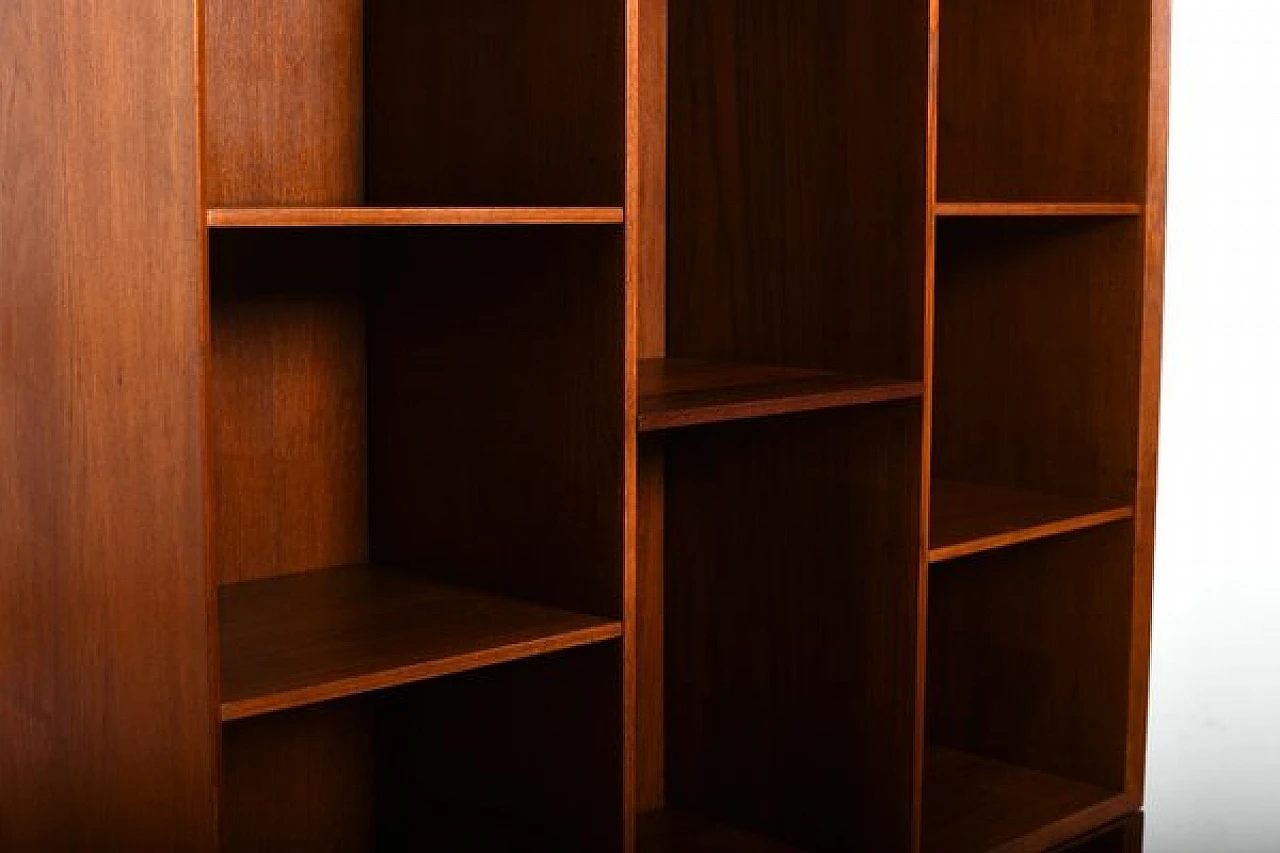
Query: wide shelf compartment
x,y
329,217
688,392
674,831
967,518
975,804
317,636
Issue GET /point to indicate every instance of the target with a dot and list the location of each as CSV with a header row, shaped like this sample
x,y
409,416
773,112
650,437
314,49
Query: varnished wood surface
x,y
672,831
327,217
107,702
1043,101
791,547
284,102
981,209
968,518
977,805
299,640
689,392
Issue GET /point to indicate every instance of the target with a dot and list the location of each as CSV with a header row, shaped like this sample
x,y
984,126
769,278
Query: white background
x,y
1213,783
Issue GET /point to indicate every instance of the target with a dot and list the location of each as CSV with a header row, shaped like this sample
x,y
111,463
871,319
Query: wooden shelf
x,y
330,217
980,209
672,831
968,518
974,804
687,392
301,639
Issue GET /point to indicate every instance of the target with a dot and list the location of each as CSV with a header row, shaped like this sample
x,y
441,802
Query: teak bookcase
x,y
577,425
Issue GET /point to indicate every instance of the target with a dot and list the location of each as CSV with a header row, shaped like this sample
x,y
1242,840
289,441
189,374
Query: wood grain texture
x,y
691,392
968,518
1043,100
791,547
671,831
106,683
288,402
304,780
299,640
1037,355
493,102
1029,654
521,757
330,217
497,410
986,209
976,805
284,99
650,631
796,183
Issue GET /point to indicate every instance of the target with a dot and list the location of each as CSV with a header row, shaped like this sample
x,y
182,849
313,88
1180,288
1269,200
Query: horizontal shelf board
x,y
687,392
301,639
330,217
672,831
979,209
969,518
974,804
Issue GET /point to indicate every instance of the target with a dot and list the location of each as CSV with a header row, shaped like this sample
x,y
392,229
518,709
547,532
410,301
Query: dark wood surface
x,y
1037,354
790,603
495,102
287,402
1028,654
796,184
1043,101
963,208
968,518
283,103
303,639
976,805
327,217
107,706
672,831
689,392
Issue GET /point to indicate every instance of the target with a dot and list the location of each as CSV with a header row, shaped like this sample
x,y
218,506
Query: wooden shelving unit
x,y
615,426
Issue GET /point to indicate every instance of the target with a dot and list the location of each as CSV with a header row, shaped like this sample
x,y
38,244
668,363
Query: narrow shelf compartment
x,y
974,804
330,217
991,209
302,639
969,518
674,831
689,392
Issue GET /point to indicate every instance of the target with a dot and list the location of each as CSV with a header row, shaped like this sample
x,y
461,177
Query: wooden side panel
x,y
495,102
300,781
283,104
288,402
1029,654
496,410
105,673
792,545
1043,100
1036,383
797,183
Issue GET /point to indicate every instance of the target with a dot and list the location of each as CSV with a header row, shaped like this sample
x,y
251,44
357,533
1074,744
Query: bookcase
x,y
653,426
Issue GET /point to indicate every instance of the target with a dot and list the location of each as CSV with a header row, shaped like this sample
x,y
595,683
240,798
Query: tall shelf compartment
x,y
651,426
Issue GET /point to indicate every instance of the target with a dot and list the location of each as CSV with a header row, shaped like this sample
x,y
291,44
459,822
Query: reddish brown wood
x,y
671,831
107,701
987,209
293,641
688,392
976,805
969,518
328,217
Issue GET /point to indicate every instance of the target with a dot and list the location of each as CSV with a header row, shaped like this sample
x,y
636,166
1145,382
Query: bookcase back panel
x,y
1029,654
288,402
790,581
1043,100
797,183
1037,354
